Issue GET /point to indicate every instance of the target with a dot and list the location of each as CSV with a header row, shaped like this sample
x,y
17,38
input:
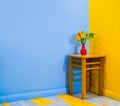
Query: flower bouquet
x,y
82,37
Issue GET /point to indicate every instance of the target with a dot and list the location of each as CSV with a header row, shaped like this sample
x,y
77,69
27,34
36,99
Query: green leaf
x,y
91,35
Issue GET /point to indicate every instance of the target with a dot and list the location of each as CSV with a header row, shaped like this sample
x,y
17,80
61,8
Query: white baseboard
x,y
30,95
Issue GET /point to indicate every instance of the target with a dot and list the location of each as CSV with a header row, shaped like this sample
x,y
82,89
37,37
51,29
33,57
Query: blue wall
x,y
34,39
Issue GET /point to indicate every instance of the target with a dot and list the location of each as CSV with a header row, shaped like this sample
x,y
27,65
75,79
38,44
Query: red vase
x,y
83,51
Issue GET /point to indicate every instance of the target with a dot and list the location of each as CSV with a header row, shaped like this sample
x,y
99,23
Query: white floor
x,y
100,100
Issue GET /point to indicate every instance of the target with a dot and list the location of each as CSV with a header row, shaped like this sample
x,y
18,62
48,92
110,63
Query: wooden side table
x,y
87,63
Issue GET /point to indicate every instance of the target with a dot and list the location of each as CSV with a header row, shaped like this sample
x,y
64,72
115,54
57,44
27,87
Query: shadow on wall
x,y
67,73
66,66
77,83
74,43
95,45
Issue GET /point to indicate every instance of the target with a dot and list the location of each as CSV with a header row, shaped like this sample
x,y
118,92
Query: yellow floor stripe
x,y
74,101
41,101
5,104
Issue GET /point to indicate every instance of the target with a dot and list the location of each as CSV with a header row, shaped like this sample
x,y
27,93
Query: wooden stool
x,y
87,63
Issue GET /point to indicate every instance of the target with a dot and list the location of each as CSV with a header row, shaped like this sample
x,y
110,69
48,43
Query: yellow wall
x,y
105,22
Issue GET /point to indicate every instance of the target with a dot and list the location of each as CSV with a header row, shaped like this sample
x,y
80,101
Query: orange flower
x,y
79,33
82,34
78,38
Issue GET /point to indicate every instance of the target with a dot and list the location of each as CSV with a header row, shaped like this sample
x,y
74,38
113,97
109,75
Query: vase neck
x,y
83,45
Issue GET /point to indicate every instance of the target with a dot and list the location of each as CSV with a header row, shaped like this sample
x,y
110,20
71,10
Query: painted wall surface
x,y
34,40
105,22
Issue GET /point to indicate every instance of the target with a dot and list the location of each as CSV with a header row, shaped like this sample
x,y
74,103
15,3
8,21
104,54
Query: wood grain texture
x,y
85,56
101,77
71,77
83,78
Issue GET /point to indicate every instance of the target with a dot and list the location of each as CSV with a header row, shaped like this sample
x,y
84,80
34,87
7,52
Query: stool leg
x,y
71,77
83,78
101,77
